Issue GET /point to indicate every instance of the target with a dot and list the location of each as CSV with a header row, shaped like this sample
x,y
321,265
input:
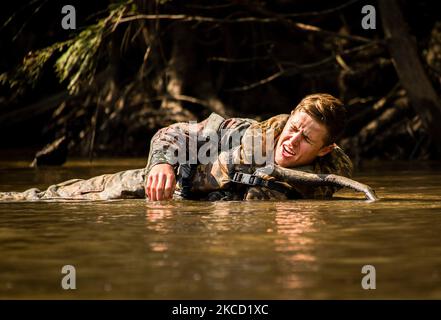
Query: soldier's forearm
x,y
171,143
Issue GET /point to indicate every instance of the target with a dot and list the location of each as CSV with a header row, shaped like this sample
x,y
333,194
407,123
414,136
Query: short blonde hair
x,y
327,110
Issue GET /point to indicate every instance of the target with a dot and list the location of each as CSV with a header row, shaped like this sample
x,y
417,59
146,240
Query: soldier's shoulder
x,y
336,162
277,121
275,124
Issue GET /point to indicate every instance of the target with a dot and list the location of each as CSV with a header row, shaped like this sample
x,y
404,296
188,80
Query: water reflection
x,y
295,246
157,216
227,250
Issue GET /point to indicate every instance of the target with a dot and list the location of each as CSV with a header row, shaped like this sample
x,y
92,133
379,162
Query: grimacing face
x,y
301,141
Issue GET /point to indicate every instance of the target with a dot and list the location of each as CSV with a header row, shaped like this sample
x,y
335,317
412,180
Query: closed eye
x,y
307,139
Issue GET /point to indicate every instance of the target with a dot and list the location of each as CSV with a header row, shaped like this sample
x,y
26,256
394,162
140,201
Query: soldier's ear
x,y
325,150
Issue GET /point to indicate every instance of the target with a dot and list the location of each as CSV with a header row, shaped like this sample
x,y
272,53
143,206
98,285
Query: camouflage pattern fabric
x,y
122,185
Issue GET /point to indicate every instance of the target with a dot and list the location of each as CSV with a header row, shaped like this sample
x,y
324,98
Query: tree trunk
x,y
403,50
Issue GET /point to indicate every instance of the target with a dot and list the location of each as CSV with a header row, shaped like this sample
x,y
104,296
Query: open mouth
x,y
286,152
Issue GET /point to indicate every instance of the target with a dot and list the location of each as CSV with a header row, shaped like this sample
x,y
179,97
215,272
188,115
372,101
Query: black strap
x,y
253,180
185,175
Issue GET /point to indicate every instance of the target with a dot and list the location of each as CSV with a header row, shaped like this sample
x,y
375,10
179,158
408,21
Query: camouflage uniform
x,y
210,181
122,185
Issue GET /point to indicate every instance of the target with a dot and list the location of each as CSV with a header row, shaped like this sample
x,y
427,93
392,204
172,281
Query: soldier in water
x,y
178,165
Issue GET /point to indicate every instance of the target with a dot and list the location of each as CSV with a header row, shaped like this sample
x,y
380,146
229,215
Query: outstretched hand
x,y
161,182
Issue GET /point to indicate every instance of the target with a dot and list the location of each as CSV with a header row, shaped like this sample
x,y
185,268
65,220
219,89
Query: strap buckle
x,y
253,180
245,178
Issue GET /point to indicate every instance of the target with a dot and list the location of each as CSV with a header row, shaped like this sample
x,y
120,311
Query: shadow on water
x,y
225,250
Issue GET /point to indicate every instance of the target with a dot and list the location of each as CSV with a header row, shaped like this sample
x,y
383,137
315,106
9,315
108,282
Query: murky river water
x,y
224,250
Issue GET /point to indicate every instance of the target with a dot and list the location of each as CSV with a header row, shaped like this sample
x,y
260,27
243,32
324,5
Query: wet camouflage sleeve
x,y
167,141
121,185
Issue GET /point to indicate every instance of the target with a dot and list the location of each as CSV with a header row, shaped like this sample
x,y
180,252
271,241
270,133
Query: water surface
x,y
224,250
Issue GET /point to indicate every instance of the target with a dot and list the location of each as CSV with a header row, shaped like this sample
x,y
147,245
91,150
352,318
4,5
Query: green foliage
x,y
80,55
31,68
78,63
